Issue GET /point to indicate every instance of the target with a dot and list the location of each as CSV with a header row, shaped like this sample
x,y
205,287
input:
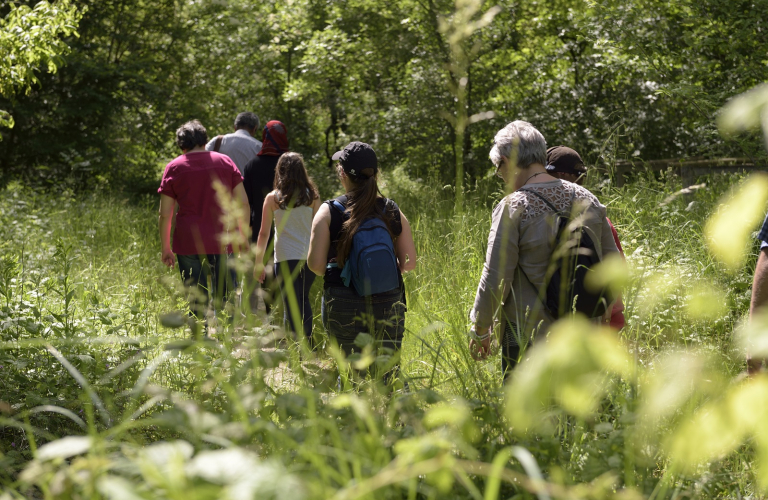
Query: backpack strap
x,y
217,144
542,291
339,207
342,210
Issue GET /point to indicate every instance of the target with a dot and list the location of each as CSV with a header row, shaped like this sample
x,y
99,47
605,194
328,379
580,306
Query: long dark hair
x,y
361,205
292,183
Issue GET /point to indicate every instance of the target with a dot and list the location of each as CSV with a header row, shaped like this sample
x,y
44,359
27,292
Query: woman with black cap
x,y
347,311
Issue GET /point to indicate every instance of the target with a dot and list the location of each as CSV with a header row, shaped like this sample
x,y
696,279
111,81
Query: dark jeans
x,y
268,292
510,349
302,278
346,315
195,271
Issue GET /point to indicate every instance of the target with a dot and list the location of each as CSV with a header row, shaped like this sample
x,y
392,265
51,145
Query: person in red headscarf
x,y
258,177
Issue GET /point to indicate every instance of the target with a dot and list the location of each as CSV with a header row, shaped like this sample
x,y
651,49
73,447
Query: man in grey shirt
x,y
240,146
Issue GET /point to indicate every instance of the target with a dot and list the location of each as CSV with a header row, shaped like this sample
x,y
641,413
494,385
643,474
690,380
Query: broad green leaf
x,y
173,320
117,488
223,466
674,379
744,112
65,447
728,231
449,413
572,370
722,425
611,272
752,336
705,302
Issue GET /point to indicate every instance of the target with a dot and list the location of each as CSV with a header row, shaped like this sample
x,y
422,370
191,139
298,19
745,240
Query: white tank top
x,y
292,230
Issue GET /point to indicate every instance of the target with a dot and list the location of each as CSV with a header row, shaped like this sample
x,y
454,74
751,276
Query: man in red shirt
x,y
188,183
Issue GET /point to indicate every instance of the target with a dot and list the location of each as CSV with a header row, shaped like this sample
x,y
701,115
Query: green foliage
x,y
107,113
31,38
104,393
612,79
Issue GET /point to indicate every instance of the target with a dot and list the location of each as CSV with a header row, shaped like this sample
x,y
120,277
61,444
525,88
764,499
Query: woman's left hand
x,y
263,275
480,347
258,269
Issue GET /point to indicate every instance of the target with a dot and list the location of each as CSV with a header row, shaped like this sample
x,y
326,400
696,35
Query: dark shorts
x,y
301,278
345,315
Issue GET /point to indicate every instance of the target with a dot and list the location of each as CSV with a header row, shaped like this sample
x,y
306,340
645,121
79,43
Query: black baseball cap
x,y
358,160
565,160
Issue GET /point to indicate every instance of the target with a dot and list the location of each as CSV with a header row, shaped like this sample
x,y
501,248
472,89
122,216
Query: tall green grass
x,y
152,414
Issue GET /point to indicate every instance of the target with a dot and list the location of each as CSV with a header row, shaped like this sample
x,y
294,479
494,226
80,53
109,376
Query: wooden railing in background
x,y
689,169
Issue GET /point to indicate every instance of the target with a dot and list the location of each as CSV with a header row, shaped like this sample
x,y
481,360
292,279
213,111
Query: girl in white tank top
x,y
292,204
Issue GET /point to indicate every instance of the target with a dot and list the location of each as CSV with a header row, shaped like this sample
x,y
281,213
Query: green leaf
x,y
64,447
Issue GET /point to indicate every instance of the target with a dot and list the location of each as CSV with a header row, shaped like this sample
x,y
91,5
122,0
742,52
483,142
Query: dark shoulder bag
x,y
576,256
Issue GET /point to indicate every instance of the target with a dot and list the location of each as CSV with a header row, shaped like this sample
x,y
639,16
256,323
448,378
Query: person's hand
x,y
168,258
401,266
605,319
259,271
480,345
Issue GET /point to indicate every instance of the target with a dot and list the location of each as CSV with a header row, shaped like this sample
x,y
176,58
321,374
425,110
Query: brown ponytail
x,y
361,205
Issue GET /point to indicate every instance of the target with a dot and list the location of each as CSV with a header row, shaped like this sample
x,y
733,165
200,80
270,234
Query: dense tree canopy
x,y
614,79
29,39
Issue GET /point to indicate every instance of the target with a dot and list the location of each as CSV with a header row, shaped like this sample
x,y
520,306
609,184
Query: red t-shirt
x,y
189,180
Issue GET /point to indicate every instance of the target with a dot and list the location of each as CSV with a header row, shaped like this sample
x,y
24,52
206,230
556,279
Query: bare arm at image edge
x,y
405,248
167,211
758,302
267,213
760,284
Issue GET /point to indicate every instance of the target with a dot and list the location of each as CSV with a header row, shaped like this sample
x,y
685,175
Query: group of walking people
x,y
361,242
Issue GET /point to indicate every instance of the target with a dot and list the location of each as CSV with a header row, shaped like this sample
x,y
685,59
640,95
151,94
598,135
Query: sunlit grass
x,y
83,275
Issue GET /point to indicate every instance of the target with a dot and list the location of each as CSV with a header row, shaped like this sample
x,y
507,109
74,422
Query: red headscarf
x,y
274,139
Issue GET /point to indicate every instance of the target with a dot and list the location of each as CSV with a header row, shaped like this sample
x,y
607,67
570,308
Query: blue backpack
x,y
371,265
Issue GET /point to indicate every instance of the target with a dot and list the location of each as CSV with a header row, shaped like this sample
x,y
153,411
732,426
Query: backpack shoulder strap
x,y
542,198
217,144
338,206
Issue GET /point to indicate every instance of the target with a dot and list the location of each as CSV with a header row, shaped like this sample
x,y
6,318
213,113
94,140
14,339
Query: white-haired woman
x,y
521,241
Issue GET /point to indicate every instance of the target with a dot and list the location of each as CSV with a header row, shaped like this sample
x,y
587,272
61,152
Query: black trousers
x,y
296,272
510,349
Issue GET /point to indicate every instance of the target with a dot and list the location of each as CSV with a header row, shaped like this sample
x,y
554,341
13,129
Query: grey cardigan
x,y
522,239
